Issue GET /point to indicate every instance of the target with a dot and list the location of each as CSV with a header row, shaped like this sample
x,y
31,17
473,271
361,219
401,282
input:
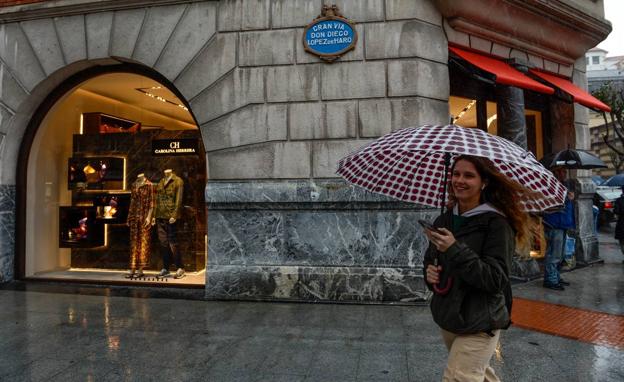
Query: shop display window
x,y
99,123
112,208
95,173
79,229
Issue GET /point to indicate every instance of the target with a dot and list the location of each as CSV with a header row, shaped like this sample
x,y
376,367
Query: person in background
x,y
619,226
556,225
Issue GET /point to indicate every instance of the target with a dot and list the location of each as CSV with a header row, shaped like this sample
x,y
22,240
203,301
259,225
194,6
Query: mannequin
x,y
140,222
169,193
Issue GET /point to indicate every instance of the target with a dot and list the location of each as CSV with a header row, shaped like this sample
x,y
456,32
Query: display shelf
x,y
100,123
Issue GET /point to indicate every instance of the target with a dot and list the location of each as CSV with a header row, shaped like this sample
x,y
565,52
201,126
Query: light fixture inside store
x,y
150,93
464,110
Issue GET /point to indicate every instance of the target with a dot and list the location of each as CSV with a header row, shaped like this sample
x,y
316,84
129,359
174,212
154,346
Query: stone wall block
x,y
581,113
457,37
418,77
238,89
126,28
72,36
501,50
267,48
566,70
305,120
353,80
424,10
256,14
517,54
314,120
418,111
293,83
229,15
361,11
17,54
42,37
341,119
551,66
480,44
274,160
375,117
195,29
406,39
325,156
12,93
356,54
252,124
5,120
98,28
213,62
294,13
537,61
156,30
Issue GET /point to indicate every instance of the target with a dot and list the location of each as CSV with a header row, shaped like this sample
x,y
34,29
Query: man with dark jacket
x,y
556,225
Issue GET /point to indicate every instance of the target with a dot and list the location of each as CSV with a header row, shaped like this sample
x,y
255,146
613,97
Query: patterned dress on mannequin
x,y
141,204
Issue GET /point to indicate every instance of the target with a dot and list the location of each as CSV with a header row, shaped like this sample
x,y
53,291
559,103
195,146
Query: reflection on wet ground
x,y
83,337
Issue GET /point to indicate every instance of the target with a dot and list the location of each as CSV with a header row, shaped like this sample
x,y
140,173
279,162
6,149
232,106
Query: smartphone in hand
x,y
428,226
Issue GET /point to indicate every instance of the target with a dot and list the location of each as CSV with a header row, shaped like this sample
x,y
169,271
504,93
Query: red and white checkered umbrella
x,y
408,165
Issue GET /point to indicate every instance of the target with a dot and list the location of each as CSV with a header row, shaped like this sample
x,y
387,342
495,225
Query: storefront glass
x,y
115,182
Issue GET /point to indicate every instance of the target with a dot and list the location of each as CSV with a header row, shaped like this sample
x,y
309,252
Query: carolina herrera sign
x,y
330,35
170,147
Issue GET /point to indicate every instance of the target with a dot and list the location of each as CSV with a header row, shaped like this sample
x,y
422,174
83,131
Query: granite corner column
x,y
7,232
315,241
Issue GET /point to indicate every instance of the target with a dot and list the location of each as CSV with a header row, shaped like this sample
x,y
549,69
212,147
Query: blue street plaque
x,y
330,35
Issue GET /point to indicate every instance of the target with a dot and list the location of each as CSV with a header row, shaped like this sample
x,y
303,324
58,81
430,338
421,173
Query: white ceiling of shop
x,y
123,87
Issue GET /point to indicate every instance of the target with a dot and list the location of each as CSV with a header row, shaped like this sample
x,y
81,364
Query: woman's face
x,y
466,182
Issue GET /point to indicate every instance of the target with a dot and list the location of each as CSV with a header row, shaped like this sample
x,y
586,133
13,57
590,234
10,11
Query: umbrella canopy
x,y
614,181
408,165
572,159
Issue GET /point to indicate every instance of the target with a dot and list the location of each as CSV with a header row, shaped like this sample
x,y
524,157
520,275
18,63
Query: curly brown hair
x,y
503,193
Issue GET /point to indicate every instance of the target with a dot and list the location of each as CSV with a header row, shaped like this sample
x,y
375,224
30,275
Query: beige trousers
x,y
469,357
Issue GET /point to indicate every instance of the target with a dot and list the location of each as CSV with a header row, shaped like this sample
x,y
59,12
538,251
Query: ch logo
x,y
174,145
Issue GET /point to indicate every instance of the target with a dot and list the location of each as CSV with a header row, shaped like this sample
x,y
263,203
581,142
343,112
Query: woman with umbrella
x,y
493,184
474,243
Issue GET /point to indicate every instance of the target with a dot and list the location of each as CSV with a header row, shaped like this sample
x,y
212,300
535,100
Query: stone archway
x,y
179,43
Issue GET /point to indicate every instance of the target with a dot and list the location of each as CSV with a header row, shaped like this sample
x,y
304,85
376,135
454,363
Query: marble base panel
x,y
356,284
7,232
313,240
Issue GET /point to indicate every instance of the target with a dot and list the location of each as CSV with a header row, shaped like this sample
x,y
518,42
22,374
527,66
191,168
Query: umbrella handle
x,y
445,289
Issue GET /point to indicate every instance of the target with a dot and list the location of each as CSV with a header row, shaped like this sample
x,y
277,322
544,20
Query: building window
x,y
586,60
595,60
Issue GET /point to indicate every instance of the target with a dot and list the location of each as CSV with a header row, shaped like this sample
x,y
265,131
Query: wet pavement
x,y
90,337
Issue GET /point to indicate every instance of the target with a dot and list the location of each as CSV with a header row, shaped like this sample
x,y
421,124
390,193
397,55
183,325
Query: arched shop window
x,y
473,102
112,159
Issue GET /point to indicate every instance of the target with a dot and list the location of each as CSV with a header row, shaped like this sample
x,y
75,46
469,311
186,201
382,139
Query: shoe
x,y
179,273
554,286
563,282
139,273
130,274
163,272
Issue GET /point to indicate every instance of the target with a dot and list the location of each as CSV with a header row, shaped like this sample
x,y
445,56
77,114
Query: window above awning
x,y
579,95
504,73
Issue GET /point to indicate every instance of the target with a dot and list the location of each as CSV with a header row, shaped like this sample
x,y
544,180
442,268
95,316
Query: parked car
x,y
604,199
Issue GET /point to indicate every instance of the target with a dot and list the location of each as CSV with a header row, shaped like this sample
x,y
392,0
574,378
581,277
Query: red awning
x,y
579,95
504,73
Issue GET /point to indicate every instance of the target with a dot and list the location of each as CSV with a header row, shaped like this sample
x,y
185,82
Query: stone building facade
x,y
275,120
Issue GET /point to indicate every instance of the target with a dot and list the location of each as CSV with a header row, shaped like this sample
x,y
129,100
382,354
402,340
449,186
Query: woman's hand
x,y
442,238
433,274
